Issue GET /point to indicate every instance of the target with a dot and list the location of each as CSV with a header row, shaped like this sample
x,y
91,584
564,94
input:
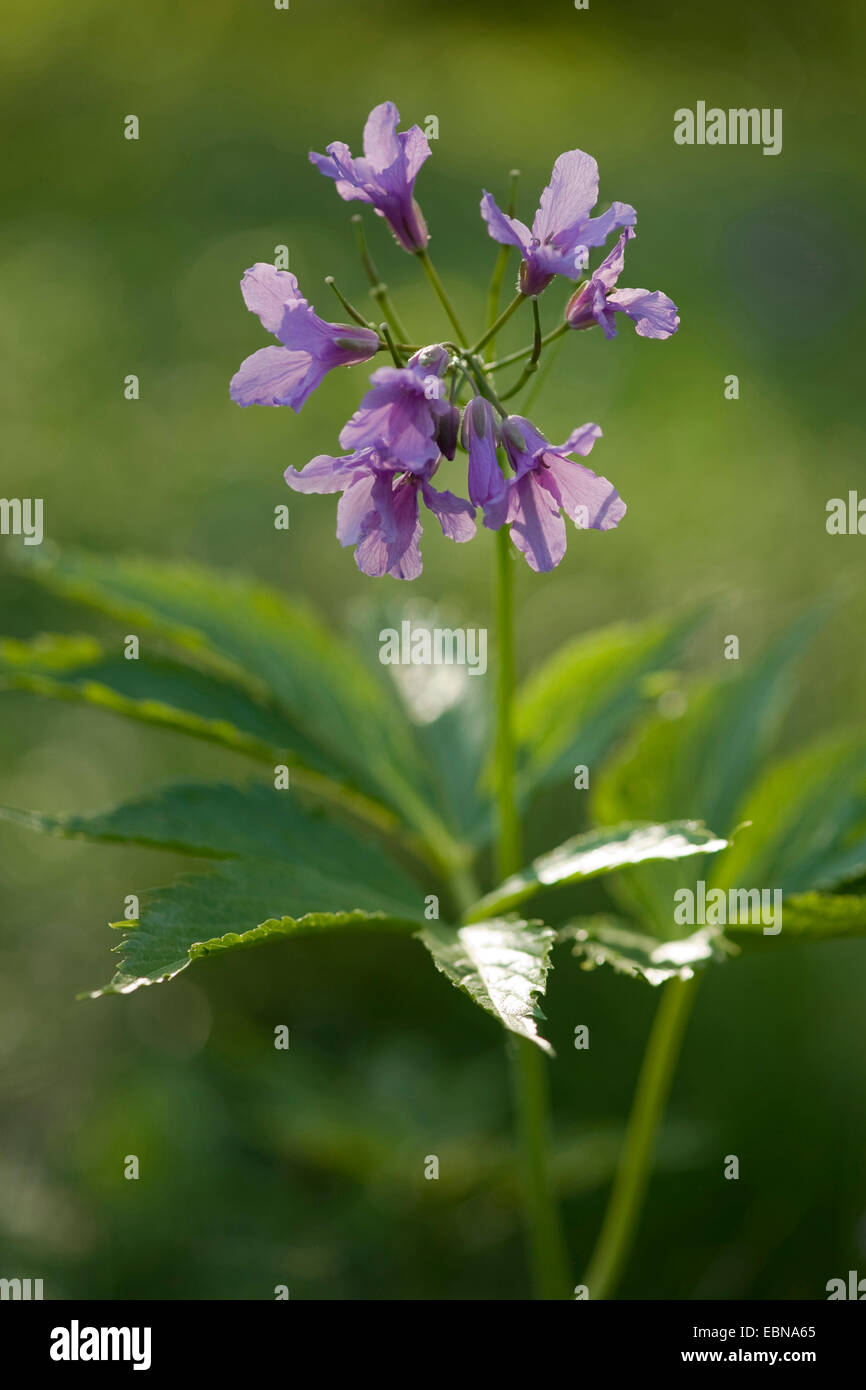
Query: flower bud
x,y
447,429
512,436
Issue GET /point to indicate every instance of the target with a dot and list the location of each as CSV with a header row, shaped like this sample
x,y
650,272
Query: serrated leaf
x,y
502,965
242,903
583,698
274,648
157,690
221,820
609,941
595,853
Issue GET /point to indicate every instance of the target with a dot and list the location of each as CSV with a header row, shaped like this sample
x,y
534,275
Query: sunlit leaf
x,y
610,941
598,852
502,965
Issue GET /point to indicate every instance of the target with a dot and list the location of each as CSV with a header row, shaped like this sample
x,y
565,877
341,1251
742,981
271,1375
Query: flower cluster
x,y
438,399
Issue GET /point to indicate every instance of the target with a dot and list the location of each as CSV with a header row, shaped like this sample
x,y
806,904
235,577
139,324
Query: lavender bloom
x,y
379,512
562,230
288,375
480,438
545,484
385,176
654,314
400,415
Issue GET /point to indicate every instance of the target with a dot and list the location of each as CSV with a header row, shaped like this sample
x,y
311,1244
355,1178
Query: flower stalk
x,y
632,1177
548,1255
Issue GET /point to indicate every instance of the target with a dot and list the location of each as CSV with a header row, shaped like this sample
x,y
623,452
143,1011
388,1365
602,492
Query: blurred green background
x,y
306,1168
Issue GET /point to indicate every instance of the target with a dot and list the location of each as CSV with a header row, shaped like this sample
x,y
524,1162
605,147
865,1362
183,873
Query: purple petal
x,y
276,376
610,269
580,441
654,314
380,135
591,502
454,514
416,148
327,474
396,415
537,530
568,199
356,511
338,343
509,230
596,230
267,291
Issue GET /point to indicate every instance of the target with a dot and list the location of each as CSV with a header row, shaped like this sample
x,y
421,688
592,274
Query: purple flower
x,y
288,375
379,512
385,176
654,314
480,439
562,230
401,414
545,484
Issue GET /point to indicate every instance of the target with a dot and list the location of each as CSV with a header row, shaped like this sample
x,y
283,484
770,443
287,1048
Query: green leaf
x,y
807,822
587,694
811,916
598,852
220,820
274,649
157,690
446,707
502,965
284,870
703,763
242,904
609,941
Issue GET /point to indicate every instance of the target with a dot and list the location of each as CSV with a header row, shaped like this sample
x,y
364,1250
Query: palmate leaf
x,y
501,964
253,637
598,852
704,762
199,915
807,822
158,690
283,871
571,710
584,697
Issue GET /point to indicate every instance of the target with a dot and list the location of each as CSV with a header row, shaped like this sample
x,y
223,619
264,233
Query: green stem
x,y
548,1255
392,347
378,291
532,365
547,1248
630,1184
439,288
527,352
500,322
508,848
350,308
